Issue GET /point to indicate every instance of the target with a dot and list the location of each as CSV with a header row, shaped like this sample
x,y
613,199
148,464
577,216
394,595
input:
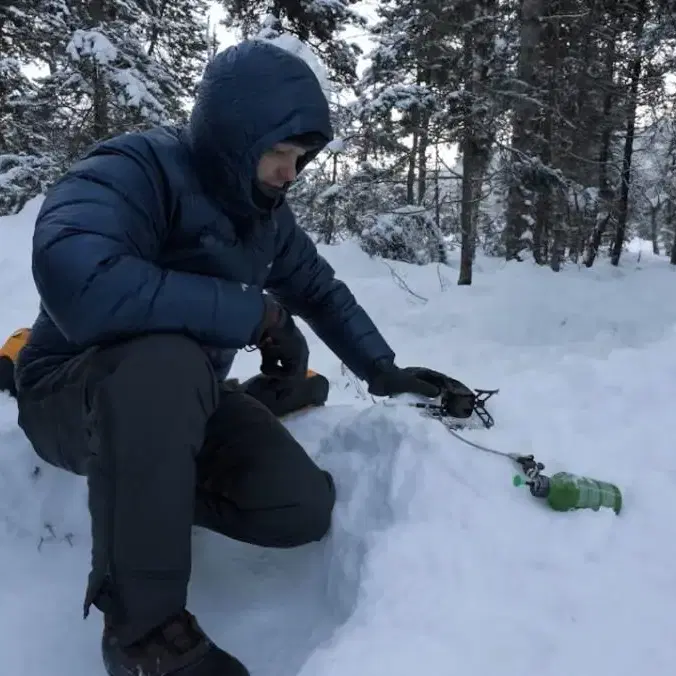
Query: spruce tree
x,y
317,24
107,66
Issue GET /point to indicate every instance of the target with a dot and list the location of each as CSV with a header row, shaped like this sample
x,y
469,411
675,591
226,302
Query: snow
x,y
330,191
292,44
435,563
136,91
91,43
338,145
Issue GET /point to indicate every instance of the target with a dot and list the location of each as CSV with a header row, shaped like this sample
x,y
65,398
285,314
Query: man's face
x,y
278,165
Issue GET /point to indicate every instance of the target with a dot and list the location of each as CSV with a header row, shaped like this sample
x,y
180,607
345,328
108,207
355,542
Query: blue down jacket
x,y
158,231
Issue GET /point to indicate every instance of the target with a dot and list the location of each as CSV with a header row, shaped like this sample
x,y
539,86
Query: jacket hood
x,y
251,96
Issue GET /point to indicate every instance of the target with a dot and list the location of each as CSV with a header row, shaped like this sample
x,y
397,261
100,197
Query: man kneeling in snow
x,y
151,257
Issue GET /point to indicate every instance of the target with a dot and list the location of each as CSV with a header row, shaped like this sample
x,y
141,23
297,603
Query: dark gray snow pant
x,y
164,448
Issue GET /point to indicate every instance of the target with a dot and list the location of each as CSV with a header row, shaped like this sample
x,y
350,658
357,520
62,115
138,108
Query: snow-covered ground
x,y
435,563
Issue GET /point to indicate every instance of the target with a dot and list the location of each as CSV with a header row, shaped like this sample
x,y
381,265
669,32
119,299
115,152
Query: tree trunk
x,y
478,136
100,124
606,207
544,200
654,212
423,142
469,156
524,141
437,192
629,139
412,162
330,213
155,30
670,222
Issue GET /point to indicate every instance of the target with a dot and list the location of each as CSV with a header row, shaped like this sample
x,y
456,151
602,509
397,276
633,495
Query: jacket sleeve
x,y
306,284
96,242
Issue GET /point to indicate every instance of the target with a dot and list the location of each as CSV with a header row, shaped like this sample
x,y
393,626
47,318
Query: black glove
x,y
284,350
389,380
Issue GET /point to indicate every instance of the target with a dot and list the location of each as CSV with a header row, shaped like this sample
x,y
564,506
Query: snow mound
x,y
469,572
37,501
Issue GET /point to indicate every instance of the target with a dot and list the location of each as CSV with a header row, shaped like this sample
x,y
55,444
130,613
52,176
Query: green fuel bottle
x,y
564,492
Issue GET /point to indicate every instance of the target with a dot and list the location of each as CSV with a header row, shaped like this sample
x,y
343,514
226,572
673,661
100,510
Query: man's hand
x,y
390,380
284,350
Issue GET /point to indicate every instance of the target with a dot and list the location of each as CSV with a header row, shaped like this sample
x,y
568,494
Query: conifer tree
x,y
317,24
106,67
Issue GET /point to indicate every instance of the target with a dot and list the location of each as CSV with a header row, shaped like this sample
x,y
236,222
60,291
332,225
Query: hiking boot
x,y
178,647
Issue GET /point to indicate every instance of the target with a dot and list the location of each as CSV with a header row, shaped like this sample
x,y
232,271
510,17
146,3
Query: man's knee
x,y
314,513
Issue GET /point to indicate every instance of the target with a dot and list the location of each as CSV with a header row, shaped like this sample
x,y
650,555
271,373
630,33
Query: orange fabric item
x,y
14,343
